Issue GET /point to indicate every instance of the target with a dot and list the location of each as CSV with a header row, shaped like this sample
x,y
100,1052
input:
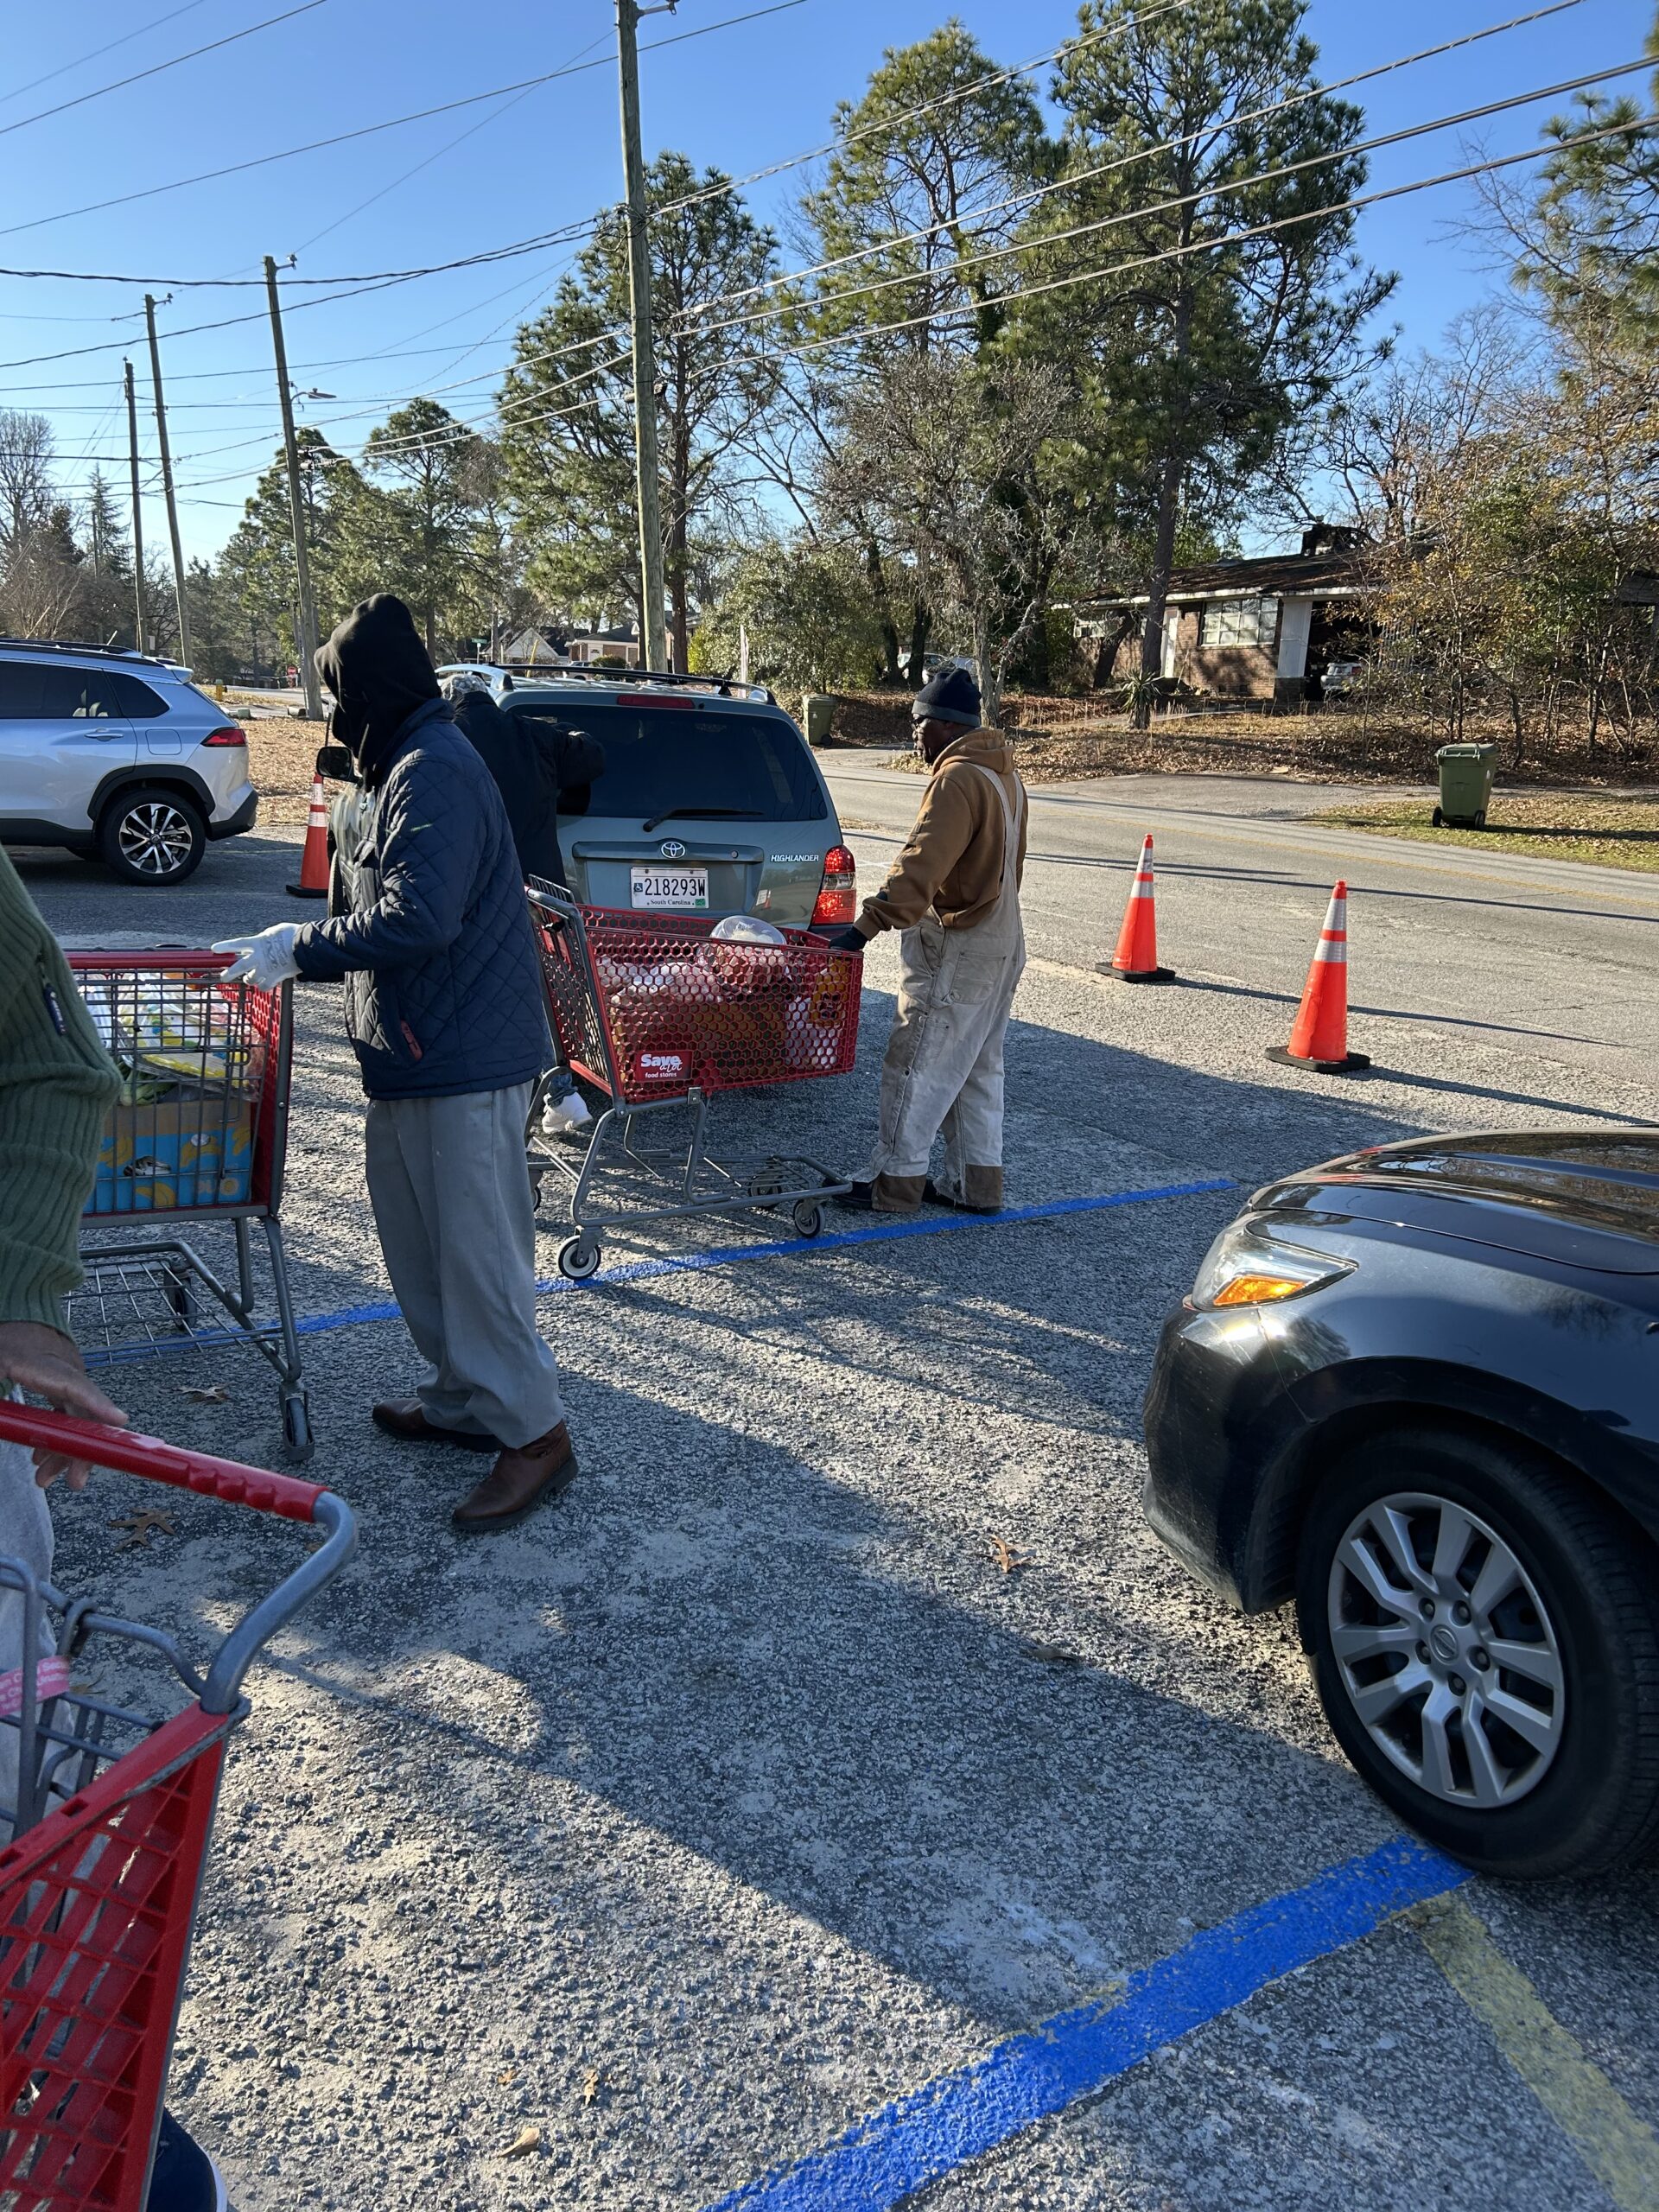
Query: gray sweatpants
x,y
457,1225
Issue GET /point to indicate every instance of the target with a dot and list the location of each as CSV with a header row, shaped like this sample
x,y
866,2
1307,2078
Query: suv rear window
x,y
694,758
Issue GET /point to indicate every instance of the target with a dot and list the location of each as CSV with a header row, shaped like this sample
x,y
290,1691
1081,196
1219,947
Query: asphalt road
x,y
745,1796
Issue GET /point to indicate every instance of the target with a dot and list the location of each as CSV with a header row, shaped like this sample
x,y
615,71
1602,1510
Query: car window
x,y
20,691
137,699
698,759
77,695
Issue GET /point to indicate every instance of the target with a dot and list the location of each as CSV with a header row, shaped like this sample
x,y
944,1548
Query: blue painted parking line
x,y
929,2133
720,1256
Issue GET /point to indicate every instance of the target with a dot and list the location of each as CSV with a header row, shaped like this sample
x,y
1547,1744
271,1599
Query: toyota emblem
x,y
673,849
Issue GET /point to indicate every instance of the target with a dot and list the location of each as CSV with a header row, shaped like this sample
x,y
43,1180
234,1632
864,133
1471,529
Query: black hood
x,y
379,673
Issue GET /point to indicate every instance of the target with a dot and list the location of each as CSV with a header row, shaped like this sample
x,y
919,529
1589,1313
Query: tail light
x,y
838,892
229,735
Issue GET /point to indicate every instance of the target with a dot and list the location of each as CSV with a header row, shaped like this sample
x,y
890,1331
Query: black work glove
x,y
847,940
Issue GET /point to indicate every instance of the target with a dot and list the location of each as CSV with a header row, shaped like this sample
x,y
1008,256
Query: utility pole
x,y
308,622
653,640
166,481
137,513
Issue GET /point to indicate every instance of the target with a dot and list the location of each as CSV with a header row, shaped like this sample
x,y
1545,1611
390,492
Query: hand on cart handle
x,y
265,959
130,1454
38,1358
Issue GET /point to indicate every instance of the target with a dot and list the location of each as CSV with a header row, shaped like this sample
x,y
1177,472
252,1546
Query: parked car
x,y
116,754
711,801
1417,1390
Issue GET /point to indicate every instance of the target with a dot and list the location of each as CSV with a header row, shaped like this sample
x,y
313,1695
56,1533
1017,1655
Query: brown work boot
x,y
518,1481
405,1418
982,1192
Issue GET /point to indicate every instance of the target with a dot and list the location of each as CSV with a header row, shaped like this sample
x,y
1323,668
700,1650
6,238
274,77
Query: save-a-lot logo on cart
x,y
664,1067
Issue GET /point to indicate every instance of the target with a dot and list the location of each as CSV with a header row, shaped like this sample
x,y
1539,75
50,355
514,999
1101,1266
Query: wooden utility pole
x,y
166,481
653,640
137,513
308,622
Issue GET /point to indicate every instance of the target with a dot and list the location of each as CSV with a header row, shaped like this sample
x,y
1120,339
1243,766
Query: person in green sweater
x,y
56,1085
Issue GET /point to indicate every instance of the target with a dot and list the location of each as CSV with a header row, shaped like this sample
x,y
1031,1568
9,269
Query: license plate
x,y
681,890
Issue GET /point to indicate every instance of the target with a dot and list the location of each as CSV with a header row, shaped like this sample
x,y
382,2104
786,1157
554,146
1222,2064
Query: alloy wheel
x,y
1446,1650
156,838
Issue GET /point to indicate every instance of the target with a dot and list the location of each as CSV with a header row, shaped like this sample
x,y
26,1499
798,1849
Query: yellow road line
x,y
1620,2149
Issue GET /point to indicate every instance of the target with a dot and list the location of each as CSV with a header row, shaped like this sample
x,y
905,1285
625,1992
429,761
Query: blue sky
x,y
740,97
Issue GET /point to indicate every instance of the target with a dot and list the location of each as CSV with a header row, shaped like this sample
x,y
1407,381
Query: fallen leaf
x,y
206,1393
1009,1556
525,2144
591,2081
506,2080
142,1525
1052,1654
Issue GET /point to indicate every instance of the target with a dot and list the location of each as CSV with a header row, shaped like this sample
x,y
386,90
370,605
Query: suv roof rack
x,y
725,687
84,646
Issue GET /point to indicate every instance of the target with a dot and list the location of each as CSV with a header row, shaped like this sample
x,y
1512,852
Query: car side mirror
x,y
335,762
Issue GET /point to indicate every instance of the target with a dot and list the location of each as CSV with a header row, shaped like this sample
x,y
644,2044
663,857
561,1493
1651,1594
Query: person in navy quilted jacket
x,y
428,925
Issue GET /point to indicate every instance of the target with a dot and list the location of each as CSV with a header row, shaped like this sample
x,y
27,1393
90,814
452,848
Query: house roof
x,y
1326,574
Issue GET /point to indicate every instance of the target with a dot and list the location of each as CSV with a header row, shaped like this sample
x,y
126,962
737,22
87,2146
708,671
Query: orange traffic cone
x,y
314,861
1318,1036
1135,960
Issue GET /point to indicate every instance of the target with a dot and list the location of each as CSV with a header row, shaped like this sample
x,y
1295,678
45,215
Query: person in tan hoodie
x,y
953,894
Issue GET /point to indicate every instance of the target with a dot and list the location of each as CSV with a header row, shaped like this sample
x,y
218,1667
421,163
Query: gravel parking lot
x,y
747,1791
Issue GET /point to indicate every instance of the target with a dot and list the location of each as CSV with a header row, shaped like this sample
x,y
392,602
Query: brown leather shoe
x,y
517,1483
405,1418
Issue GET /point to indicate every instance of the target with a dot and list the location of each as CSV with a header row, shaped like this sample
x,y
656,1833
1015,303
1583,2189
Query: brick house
x,y
1261,630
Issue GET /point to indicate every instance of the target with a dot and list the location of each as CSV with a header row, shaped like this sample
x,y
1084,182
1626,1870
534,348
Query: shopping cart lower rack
x,y
200,1129
109,1810
659,1013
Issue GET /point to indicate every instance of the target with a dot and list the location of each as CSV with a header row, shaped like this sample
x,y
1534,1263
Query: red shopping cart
x,y
659,1013
111,1812
200,1129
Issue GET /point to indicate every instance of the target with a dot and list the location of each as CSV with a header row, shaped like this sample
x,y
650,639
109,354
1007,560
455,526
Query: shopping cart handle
x,y
125,1450
132,1454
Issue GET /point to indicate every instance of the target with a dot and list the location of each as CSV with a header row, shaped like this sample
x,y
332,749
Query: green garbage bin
x,y
818,713
1466,772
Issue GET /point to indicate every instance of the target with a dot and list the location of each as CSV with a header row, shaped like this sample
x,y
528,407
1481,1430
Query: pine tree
x,y
567,427
1192,359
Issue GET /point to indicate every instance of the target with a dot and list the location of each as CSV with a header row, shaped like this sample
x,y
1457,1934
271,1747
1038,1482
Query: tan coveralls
x,y
944,1066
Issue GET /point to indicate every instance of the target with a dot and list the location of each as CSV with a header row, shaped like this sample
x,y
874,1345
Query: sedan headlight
x,y
1249,1265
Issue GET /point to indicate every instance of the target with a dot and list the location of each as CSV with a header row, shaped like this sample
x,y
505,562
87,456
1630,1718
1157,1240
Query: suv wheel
x,y
150,834
1484,1639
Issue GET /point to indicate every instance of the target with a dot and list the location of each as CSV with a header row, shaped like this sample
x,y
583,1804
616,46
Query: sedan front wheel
x,y
1485,1638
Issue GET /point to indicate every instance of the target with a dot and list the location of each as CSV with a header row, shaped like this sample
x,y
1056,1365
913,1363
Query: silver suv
x,y
118,754
710,802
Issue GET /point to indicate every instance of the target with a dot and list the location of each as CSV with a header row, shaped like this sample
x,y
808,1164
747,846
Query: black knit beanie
x,y
949,695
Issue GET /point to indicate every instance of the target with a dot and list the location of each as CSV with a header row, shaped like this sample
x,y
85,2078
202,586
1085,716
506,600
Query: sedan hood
x,y
1584,1201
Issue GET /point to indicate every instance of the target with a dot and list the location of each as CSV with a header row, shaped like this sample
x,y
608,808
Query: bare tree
x,y
27,492
945,455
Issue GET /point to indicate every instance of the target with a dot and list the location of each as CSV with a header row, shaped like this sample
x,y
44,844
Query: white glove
x,y
265,959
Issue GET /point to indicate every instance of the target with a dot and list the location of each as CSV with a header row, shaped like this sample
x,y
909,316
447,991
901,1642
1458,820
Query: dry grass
x,y
1560,826
280,757
1058,741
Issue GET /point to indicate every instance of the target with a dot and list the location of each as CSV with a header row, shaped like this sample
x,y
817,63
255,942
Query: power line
x,y
156,69
1031,193
393,123
927,107
1190,198
99,52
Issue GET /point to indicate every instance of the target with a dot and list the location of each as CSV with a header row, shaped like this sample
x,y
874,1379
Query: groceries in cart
x,y
661,1011
192,1062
